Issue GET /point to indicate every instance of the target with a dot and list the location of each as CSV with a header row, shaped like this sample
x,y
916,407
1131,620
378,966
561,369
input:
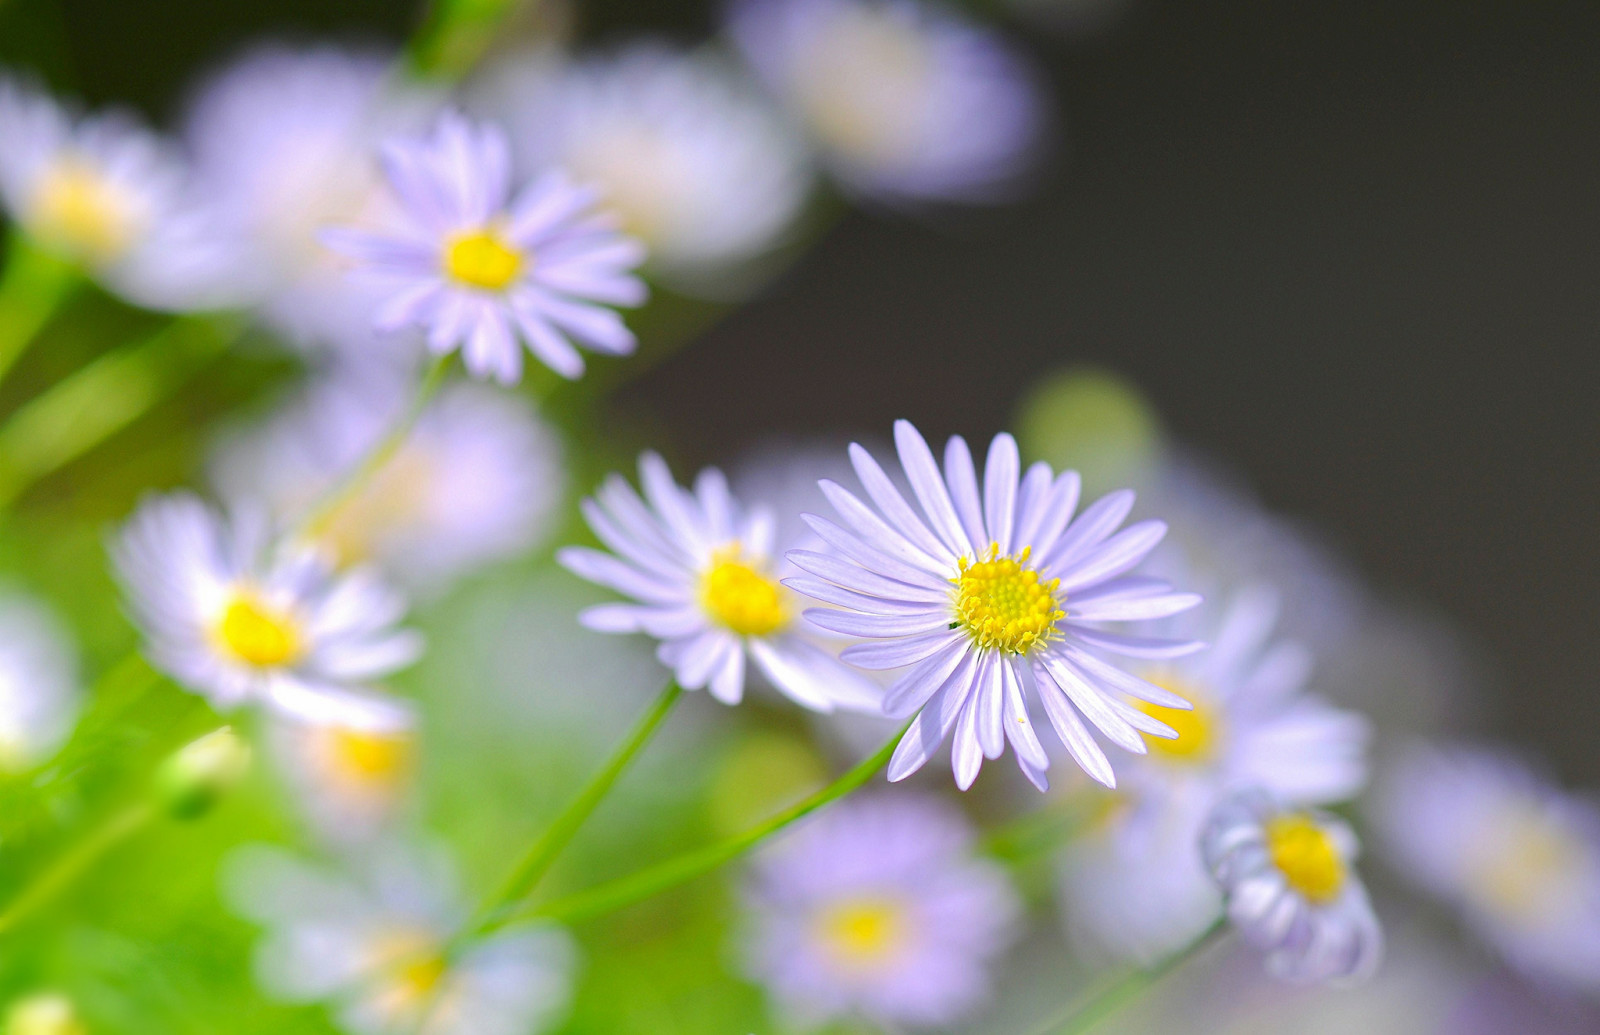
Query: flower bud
x,y
45,1013
197,776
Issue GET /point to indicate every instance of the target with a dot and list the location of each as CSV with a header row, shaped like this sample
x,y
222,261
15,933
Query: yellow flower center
x,y
367,756
743,598
78,210
864,87
864,932
1199,729
413,967
1527,871
1306,856
44,1014
1002,603
482,259
257,633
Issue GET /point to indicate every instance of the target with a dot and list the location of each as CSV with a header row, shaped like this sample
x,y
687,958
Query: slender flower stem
x,y
637,887
457,33
33,286
525,878
1083,1017
98,400
75,863
384,450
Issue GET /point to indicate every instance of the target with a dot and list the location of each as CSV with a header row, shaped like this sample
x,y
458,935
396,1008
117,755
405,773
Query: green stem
x,y
544,852
98,400
637,887
317,521
32,288
75,863
457,33
1083,1017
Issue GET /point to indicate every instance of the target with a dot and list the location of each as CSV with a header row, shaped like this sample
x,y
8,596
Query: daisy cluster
x,y
457,272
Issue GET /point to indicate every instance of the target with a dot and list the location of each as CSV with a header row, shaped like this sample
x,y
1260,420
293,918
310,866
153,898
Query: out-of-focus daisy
x,y
1291,890
692,161
700,570
1520,858
993,597
479,267
350,779
906,100
1252,725
284,144
44,1013
38,683
476,481
879,909
373,946
231,617
110,196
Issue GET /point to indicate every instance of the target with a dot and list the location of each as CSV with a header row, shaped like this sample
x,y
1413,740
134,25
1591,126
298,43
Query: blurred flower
x,y
38,683
199,774
107,194
878,908
375,947
1291,891
476,481
906,100
232,618
700,569
284,143
1252,725
997,598
350,780
688,156
479,267
44,1013
1520,858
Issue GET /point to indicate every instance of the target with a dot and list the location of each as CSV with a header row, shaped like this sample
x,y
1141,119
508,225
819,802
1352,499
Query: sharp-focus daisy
x,y
994,598
373,946
878,909
1519,857
350,779
284,145
905,100
480,267
700,568
108,195
38,683
477,480
693,162
1136,886
237,620
1291,890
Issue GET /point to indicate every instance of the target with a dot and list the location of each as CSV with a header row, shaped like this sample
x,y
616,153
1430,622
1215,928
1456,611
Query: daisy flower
x,y
1518,857
231,618
373,945
39,689
1136,885
283,142
907,101
993,599
1290,889
700,570
476,481
350,779
694,163
109,196
878,908
480,268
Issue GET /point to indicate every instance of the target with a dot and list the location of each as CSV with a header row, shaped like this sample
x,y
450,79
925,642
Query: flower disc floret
x,y
1003,604
1306,855
743,599
258,633
482,259
864,932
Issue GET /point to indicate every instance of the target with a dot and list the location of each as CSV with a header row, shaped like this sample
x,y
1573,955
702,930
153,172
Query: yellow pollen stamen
x,y
1526,873
741,597
1002,603
76,209
1199,730
482,259
412,965
370,757
866,932
1306,856
258,633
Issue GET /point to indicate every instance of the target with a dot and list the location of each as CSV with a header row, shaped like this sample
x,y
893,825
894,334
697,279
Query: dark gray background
x,y
1351,247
